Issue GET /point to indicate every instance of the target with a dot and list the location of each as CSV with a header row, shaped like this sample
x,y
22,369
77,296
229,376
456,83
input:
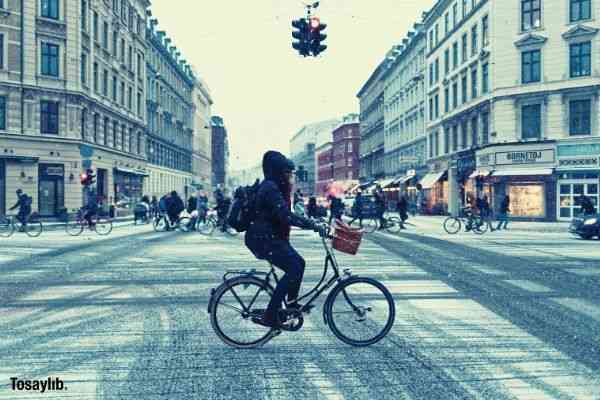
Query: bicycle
x,y
211,222
352,307
162,223
32,227
392,224
100,224
453,225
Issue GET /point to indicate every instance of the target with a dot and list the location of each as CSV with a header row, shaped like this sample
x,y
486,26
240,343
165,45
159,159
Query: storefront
x,y
524,172
578,174
129,188
51,189
2,187
465,167
435,186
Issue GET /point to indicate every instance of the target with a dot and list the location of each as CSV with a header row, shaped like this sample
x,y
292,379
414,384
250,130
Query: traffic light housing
x,y
87,178
301,33
317,36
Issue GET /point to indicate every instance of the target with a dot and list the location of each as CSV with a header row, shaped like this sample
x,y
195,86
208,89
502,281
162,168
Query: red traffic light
x,y
83,178
315,22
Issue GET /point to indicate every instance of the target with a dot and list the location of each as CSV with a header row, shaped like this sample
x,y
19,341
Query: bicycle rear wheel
x,y
479,226
393,225
6,227
34,228
360,311
231,231
233,305
103,226
74,228
370,225
160,224
452,225
184,224
207,227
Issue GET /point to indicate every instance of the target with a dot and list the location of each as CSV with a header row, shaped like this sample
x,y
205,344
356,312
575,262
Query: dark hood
x,y
274,164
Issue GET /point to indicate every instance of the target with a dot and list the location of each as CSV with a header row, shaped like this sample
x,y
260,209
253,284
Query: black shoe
x,y
265,322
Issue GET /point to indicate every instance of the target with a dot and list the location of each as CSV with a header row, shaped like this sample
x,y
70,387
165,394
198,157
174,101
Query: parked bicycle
x,y
453,225
359,311
10,224
162,223
97,223
211,222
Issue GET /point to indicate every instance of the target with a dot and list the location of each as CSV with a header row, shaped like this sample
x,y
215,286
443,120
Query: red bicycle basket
x,y
346,239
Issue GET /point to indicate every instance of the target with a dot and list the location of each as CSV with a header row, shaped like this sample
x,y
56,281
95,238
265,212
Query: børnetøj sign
x,y
525,157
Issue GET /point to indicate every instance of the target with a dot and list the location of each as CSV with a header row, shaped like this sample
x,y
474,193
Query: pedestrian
x,y
202,206
402,210
24,205
141,210
587,207
154,207
486,213
380,206
312,209
420,200
357,209
174,207
268,235
299,207
503,213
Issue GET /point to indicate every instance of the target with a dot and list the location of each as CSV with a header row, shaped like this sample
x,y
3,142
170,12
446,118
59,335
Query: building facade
x,y
170,106
72,84
405,140
346,151
324,155
371,97
513,104
220,151
201,148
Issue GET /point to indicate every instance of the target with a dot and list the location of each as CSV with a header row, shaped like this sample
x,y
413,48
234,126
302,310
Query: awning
x,y
523,172
403,179
363,186
385,182
430,179
480,172
131,171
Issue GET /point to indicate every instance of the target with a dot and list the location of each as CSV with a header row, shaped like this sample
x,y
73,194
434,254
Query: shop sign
x,y
484,160
466,164
525,157
52,170
579,163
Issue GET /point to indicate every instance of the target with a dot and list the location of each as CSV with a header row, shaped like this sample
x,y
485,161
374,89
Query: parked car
x,y
585,226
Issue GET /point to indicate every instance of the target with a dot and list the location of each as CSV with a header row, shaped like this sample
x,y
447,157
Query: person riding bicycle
x,y
469,212
90,209
24,205
223,204
174,208
268,236
357,209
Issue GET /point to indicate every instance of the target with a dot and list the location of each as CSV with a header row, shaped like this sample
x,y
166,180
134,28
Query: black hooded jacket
x,y
273,207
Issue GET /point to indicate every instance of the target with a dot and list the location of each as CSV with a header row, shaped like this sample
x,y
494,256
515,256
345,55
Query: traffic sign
x,y
86,151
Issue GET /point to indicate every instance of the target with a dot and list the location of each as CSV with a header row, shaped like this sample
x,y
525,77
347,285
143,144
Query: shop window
x,y
570,196
531,14
580,10
50,59
530,66
527,200
580,59
49,117
579,117
531,121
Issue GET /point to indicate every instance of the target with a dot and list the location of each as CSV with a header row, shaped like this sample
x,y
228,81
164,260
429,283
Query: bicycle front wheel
x,y
103,226
393,225
6,227
360,311
160,224
452,225
74,228
234,303
479,226
207,227
370,225
231,231
34,228
184,224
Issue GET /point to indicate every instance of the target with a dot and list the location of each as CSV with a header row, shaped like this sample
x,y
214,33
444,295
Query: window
x,y
474,132
431,115
431,43
455,95
454,15
447,62
115,134
84,13
454,137
95,26
530,14
474,83
436,105
485,78
485,128
446,140
455,55
530,66
474,40
130,98
115,43
436,143
1,50
50,9
579,117
446,100
464,89
114,88
84,68
122,93
446,24
130,58
580,10
531,121
437,36
105,83
3,113
485,31
139,66
96,77
83,123
123,51
464,133
50,59
431,74
437,69
580,59
105,35
49,117
139,104
465,44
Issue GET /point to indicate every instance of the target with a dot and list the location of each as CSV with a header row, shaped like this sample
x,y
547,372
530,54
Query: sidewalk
x,y
548,227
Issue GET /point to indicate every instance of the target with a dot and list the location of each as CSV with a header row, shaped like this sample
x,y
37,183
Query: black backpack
x,y
242,211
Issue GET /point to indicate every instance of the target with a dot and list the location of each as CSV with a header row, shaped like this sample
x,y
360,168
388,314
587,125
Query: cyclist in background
x,y
24,205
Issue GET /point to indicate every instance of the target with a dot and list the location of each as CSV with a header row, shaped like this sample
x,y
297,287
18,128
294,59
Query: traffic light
x,y
301,33
316,36
87,178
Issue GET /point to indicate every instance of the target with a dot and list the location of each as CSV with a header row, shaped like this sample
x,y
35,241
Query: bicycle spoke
x,y
232,307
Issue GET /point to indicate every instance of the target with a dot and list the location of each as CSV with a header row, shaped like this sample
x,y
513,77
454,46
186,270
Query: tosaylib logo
x,y
35,385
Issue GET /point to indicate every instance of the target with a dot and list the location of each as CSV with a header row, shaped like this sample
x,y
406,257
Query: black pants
x,y
286,258
359,218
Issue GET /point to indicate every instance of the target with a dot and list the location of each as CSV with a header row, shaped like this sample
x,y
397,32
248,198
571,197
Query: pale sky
x,y
261,87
